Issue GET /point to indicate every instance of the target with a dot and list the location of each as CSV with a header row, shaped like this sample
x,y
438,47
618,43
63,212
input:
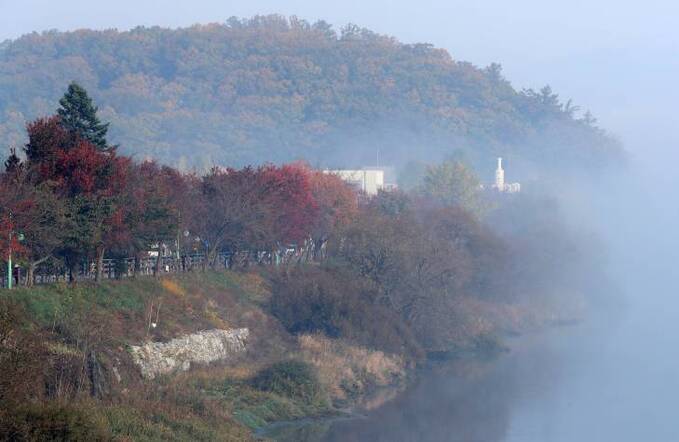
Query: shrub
x,y
340,305
293,379
22,355
51,422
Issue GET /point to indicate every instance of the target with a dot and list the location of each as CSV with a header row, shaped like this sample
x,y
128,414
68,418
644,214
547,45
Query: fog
x,y
611,378
614,377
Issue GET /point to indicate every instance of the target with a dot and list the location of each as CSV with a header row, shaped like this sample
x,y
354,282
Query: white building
x,y
500,184
368,181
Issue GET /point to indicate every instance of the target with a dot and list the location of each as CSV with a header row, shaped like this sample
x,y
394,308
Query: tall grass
x,y
346,370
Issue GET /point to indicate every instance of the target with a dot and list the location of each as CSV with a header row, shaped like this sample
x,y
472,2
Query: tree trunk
x,y
30,272
320,245
100,264
206,259
159,262
137,265
72,272
211,257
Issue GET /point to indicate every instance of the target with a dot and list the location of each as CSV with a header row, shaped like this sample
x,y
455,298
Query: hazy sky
x,y
619,58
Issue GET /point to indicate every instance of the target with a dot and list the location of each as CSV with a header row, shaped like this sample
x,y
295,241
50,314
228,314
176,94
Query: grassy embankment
x,y
67,371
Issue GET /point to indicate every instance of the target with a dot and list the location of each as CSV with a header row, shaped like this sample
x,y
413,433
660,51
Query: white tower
x,y
499,176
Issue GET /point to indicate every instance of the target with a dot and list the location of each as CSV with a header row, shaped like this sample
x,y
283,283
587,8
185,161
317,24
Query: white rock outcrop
x,y
156,358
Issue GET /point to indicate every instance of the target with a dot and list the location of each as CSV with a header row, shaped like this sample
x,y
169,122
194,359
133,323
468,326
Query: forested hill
x,y
275,89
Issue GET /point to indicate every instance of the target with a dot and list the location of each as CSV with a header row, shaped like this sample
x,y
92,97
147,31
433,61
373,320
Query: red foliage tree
x,y
89,181
294,209
184,195
35,212
337,205
147,215
235,211
85,170
46,138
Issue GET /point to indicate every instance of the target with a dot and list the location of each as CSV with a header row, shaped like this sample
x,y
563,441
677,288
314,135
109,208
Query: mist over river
x,y
614,377
559,386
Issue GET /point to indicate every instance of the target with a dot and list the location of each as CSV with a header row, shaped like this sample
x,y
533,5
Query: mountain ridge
x,y
275,89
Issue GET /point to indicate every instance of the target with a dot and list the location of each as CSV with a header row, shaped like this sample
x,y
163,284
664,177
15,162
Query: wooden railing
x,y
129,267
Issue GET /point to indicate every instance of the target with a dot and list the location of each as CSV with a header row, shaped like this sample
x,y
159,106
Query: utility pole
x,y
9,254
20,237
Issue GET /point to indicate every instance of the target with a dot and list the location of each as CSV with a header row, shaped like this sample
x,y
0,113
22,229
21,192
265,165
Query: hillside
x,y
73,345
281,290
68,373
273,89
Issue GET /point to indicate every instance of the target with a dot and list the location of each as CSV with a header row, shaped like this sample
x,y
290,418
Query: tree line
x,y
74,198
413,258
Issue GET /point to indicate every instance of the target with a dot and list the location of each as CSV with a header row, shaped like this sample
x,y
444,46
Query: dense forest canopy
x,y
277,89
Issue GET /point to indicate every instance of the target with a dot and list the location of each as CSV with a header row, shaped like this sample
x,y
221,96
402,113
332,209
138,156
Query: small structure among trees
x,y
500,185
367,180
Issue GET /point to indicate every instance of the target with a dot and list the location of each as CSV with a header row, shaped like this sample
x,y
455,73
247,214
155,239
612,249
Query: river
x,y
615,380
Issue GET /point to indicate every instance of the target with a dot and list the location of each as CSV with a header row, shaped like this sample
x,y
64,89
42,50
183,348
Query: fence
x,y
128,267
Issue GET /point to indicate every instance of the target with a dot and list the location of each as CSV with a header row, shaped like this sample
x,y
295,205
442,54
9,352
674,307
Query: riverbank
x,y
461,398
66,354
68,364
315,428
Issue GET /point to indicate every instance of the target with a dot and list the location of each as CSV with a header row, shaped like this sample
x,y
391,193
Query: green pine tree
x,y
78,114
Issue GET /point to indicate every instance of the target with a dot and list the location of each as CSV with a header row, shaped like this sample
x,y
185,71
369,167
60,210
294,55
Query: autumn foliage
x,y
78,202
272,88
294,207
75,203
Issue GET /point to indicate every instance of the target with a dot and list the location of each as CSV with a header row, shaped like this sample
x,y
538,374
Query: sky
x,y
617,58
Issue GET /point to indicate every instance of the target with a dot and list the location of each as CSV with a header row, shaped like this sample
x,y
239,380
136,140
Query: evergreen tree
x,y
79,115
13,163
